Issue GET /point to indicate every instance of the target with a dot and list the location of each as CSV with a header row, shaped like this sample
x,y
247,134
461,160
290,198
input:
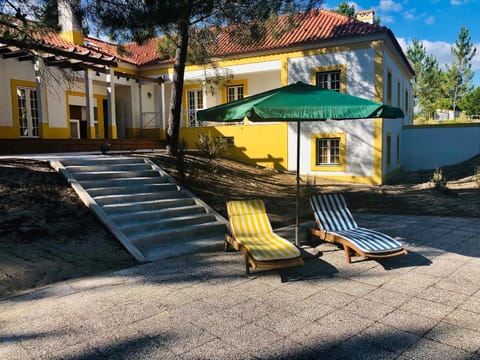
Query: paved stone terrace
x,y
425,305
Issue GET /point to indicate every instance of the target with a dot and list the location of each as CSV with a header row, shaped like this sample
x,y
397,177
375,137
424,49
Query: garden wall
x,y
431,146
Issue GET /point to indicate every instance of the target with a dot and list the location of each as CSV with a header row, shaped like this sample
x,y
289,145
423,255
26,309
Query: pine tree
x,y
345,9
426,84
349,10
459,73
470,102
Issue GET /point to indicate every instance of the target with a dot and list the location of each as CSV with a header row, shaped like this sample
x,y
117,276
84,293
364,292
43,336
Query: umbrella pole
x,y
297,210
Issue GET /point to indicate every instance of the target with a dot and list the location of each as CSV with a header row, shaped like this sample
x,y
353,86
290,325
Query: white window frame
x,y
235,92
29,122
193,106
329,82
333,149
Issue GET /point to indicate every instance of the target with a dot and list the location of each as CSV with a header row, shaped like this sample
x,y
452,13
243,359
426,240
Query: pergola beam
x,y
14,54
69,58
72,53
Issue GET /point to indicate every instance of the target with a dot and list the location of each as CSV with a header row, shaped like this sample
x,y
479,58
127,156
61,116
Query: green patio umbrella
x,y
298,102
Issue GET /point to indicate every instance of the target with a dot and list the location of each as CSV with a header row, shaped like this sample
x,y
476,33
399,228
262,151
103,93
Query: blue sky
x,y
435,23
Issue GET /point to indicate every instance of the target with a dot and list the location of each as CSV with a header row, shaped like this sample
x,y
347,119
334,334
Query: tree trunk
x,y
455,100
173,129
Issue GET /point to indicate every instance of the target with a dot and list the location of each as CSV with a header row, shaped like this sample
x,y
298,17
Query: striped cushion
x,y
331,212
369,241
251,228
332,215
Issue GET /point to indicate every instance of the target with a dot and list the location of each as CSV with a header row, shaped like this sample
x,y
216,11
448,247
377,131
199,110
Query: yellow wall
x,y
379,59
263,145
8,132
45,131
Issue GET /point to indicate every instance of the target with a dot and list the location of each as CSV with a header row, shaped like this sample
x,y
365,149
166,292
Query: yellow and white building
x,y
126,95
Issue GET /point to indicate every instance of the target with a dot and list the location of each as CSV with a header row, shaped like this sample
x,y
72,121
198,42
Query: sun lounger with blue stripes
x,y
336,224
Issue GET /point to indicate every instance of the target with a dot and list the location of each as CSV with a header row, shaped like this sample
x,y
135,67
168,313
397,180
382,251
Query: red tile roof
x,y
51,41
132,53
315,26
310,28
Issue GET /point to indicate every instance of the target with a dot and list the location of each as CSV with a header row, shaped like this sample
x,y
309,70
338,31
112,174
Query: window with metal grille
x,y
328,151
389,150
398,94
389,88
234,92
195,103
398,149
328,80
406,103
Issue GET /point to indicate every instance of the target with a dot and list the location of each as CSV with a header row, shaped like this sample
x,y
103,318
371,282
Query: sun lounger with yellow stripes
x,y
252,234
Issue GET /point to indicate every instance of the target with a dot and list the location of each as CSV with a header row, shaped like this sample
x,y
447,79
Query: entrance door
x,y
27,111
78,124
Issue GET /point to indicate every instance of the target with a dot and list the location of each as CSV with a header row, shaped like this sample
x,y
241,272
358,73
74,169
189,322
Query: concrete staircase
x,y
143,207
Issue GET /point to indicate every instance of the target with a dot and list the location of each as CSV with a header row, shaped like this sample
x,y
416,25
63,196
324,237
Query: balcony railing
x,y
191,118
151,120
192,121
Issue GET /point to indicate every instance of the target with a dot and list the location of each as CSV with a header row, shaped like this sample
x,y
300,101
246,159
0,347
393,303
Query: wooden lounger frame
x,y
251,263
349,248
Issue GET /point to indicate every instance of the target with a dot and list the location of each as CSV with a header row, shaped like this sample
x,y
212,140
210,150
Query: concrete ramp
x,y
147,211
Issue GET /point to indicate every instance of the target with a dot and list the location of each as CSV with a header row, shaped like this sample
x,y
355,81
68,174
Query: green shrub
x,y
104,148
440,183
438,179
211,147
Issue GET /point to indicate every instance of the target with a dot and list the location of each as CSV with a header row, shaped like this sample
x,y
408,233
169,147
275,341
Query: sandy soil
x,y
47,234
220,180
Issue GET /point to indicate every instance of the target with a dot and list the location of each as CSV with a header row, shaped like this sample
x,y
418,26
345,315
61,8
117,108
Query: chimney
x,y
71,31
365,16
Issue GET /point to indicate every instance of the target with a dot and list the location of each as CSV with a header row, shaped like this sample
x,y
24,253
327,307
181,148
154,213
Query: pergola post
x,y
39,68
112,125
140,105
90,105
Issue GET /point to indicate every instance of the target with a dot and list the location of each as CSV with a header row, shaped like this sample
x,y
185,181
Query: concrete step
x,y
139,217
136,198
101,160
108,175
132,189
148,239
109,167
168,223
147,205
142,205
137,181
